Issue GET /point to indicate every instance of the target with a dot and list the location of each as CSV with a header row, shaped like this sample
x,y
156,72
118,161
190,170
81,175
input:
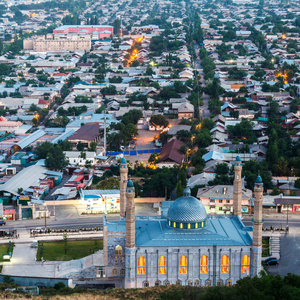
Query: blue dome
x,y
187,209
130,183
258,179
123,160
238,158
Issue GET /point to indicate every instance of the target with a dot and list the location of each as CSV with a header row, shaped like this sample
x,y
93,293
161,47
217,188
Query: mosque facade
x,y
186,246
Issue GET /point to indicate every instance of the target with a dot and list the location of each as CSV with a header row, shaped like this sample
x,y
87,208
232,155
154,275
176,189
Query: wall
x,y
38,281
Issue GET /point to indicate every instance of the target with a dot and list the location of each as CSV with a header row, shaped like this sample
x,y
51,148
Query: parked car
x,y
2,222
270,258
272,262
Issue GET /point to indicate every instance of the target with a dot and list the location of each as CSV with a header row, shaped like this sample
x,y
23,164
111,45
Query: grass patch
x,y
266,247
53,251
5,249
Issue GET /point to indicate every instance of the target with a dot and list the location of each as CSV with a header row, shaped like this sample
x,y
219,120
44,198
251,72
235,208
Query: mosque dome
x,y
187,212
258,179
130,183
238,158
123,160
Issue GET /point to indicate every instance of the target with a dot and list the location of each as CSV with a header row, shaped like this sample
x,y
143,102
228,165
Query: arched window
x,y
196,283
118,253
219,282
245,264
167,282
157,283
229,282
225,264
183,265
122,272
114,272
190,282
146,283
178,282
208,282
204,264
118,250
162,265
141,265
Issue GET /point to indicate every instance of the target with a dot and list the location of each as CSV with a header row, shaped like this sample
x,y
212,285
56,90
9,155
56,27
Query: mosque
x,y
186,246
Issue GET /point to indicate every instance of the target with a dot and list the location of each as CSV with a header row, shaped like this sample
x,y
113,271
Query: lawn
x,y
52,251
4,250
265,247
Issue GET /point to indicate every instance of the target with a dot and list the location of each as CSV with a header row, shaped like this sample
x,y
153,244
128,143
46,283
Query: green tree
x,y
43,149
159,120
179,189
56,160
80,146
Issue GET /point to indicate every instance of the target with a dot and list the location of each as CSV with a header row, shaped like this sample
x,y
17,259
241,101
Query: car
x,y
270,258
272,262
2,222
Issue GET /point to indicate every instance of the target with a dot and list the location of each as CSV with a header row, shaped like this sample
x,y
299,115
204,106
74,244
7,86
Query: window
x,y
190,282
157,283
229,282
162,263
225,264
196,283
189,226
146,284
245,264
122,272
114,272
141,265
220,201
227,201
118,252
204,264
181,225
196,225
220,208
167,282
178,282
208,282
183,265
219,282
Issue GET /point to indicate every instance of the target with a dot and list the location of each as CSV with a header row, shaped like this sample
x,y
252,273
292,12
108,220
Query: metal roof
x,y
63,136
99,193
30,138
24,179
153,231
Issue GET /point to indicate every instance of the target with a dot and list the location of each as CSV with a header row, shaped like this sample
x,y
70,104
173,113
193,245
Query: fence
x,y
133,152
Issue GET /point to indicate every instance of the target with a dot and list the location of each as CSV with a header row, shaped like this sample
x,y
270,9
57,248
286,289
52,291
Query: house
x,y
80,158
169,155
186,111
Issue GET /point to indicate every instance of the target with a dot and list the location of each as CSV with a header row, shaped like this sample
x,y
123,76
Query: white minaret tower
x,y
257,228
237,188
123,183
130,237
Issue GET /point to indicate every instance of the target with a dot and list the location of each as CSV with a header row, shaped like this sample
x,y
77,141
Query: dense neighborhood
x,y
182,91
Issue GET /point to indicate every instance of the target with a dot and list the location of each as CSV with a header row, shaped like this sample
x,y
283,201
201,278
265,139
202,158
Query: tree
x,y
179,189
80,146
5,69
93,146
297,183
222,169
56,160
203,139
135,63
109,184
159,120
43,149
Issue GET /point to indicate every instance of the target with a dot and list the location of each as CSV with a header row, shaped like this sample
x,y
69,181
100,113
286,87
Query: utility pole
x,y
45,219
104,132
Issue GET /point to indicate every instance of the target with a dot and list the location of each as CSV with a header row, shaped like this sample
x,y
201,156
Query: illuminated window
x,y
189,226
174,224
183,265
162,263
169,223
196,225
225,264
181,225
204,264
141,265
245,264
118,250
202,224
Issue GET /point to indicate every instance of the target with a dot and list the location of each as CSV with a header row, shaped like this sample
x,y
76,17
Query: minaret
x,y
123,183
237,188
130,237
257,228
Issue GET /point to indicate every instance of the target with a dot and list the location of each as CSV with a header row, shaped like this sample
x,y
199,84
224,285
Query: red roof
x,y
170,151
42,101
59,74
